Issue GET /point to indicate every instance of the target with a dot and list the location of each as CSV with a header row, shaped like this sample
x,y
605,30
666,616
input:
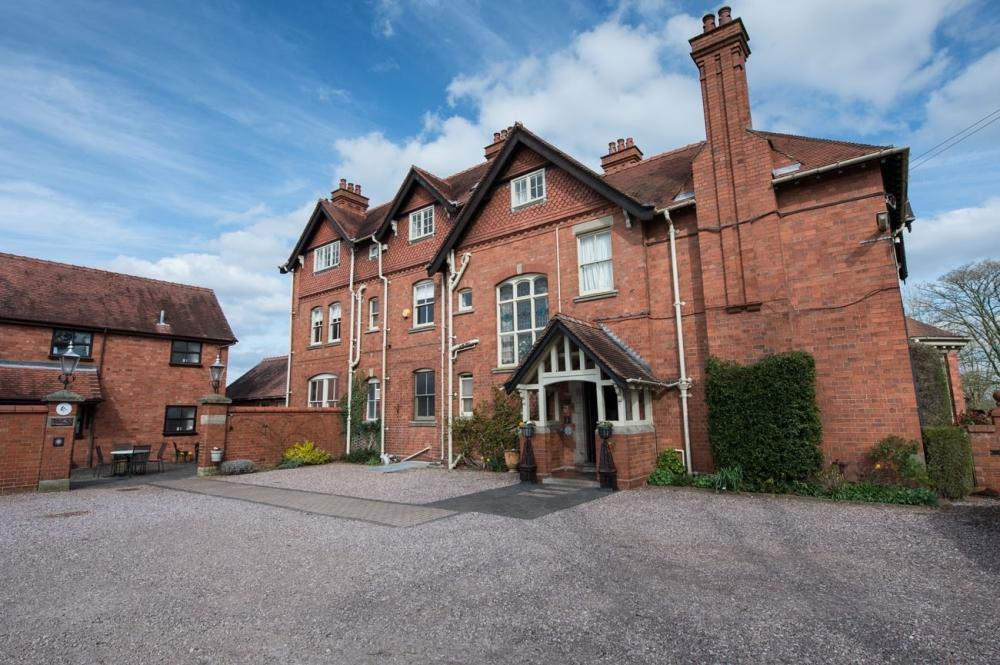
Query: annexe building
x,y
145,347
600,296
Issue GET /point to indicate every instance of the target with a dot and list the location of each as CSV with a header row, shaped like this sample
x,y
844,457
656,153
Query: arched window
x,y
335,322
317,326
323,390
522,312
374,395
423,303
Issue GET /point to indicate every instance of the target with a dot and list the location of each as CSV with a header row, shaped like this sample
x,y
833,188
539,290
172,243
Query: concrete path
x,y
524,501
385,513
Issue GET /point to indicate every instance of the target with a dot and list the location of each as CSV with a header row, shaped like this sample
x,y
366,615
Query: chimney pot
x,y
496,136
725,15
357,189
628,142
343,183
621,144
708,22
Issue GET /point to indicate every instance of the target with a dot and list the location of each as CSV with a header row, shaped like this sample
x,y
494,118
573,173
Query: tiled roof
x,y
812,152
31,381
915,328
659,178
58,294
265,380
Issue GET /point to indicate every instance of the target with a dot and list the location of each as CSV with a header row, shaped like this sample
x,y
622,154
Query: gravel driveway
x,y
654,575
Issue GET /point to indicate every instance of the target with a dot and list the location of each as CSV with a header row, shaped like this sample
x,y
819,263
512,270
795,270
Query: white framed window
x,y
323,390
465,300
374,395
465,395
422,223
326,256
522,312
527,189
316,337
373,251
373,313
423,394
594,256
334,322
423,304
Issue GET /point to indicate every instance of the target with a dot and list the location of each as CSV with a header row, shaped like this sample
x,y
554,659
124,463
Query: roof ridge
x,y
284,357
107,272
762,132
660,155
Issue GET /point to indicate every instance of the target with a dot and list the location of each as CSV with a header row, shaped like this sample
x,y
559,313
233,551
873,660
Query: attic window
x,y
786,169
327,256
373,251
527,189
684,196
422,223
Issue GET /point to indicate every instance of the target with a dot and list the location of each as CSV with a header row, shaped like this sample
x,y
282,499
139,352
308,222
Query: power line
x,y
952,145
962,131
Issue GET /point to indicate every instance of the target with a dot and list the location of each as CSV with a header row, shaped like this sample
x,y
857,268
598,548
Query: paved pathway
x,y
385,513
522,501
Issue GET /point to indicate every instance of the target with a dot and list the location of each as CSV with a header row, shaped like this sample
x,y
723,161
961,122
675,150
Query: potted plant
x,y
216,454
605,429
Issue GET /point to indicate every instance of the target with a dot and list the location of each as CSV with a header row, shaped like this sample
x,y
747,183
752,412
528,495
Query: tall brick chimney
x,y
721,54
621,153
348,195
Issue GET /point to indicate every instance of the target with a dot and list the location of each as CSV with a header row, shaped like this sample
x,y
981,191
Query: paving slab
x,y
386,513
525,501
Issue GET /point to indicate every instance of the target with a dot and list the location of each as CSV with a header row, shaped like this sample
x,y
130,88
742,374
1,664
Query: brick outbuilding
x,y
745,244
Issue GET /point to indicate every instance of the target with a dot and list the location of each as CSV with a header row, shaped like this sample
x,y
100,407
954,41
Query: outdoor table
x,y
123,457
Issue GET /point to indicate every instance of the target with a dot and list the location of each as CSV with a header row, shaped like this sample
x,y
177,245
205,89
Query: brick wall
x,y
261,434
986,453
22,433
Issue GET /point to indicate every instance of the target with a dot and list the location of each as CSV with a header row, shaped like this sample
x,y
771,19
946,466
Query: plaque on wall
x,y
59,421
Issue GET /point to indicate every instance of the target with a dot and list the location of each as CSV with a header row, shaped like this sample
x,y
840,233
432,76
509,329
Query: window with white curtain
x,y
522,312
323,390
594,255
374,395
465,395
335,322
317,326
423,303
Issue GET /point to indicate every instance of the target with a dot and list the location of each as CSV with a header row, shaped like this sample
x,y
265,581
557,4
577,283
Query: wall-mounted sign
x,y
58,421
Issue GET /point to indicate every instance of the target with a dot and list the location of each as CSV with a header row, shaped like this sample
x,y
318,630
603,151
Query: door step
x,y
570,482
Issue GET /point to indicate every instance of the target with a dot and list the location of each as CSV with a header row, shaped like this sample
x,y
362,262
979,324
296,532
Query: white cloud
x,y
963,100
943,242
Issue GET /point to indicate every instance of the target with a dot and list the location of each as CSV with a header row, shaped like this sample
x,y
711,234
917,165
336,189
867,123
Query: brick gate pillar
x,y
213,425
57,444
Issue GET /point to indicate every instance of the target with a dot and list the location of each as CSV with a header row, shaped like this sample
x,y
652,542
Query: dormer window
x,y
373,251
527,189
326,256
422,223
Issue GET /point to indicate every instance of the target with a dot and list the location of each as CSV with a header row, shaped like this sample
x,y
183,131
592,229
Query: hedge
x,y
949,460
931,382
764,418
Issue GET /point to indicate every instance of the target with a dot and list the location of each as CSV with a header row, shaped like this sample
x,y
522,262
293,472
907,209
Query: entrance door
x,y
590,419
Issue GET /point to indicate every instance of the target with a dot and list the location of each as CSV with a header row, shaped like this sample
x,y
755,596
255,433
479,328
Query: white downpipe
x,y
355,341
444,345
291,346
453,278
385,344
683,384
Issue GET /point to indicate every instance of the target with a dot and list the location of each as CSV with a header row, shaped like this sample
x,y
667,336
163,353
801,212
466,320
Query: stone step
x,y
570,482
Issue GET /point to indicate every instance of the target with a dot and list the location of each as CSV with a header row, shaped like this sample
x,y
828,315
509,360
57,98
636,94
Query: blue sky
x,y
189,141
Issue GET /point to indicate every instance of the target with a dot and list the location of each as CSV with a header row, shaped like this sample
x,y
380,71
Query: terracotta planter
x,y
512,459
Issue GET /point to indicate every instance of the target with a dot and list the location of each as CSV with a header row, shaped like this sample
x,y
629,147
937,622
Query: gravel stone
x,y
652,575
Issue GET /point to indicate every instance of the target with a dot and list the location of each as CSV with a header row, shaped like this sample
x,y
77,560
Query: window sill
x,y
414,241
172,434
459,312
88,359
529,204
420,329
323,270
372,330
600,295
334,343
185,365
503,370
318,345
423,423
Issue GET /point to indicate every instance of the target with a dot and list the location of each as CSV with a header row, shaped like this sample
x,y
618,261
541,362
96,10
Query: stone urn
x,y
512,458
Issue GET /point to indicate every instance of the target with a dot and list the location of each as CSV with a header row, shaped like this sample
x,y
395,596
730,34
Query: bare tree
x,y
966,301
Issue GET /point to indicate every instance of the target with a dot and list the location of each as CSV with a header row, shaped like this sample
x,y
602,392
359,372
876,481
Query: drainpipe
x,y
453,278
385,345
291,347
683,383
350,355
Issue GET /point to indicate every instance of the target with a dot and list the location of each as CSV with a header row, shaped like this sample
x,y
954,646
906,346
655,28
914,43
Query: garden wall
x,y
22,433
986,452
261,433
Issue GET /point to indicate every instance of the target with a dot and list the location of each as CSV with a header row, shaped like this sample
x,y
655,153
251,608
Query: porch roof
x,y
622,365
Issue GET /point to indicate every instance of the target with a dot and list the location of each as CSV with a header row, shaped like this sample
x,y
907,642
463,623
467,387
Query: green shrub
x,y
670,460
729,479
895,461
490,430
364,433
876,493
237,466
931,382
306,453
949,460
705,481
289,464
369,456
764,418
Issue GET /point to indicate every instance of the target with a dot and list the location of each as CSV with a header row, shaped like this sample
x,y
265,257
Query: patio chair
x,y
179,454
100,462
159,457
140,456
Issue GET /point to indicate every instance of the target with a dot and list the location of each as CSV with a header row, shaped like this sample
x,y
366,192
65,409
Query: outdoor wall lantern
x,y
215,370
67,364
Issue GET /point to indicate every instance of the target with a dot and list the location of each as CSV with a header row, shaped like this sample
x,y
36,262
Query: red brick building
x,y
601,296
145,347
264,384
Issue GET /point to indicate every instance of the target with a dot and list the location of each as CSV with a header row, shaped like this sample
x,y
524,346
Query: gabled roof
x,y
53,294
30,381
265,380
659,178
918,330
438,188
519,136
623,365
812,152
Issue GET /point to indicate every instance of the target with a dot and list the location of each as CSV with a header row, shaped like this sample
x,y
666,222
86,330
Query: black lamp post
x,y
527,468
67,364
215,371
606,471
